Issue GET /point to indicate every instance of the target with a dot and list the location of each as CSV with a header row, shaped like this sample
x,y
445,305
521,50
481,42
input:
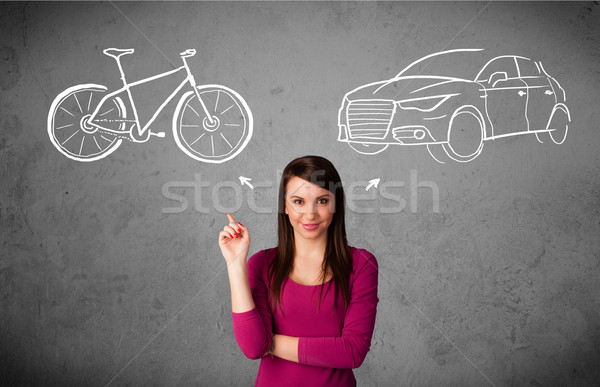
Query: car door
x,y
540,95
506,96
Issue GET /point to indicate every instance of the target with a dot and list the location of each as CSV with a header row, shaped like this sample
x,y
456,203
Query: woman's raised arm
x,y
234,242
251,325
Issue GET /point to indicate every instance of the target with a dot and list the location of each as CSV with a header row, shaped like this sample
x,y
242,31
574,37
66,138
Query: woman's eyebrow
x,y
300,197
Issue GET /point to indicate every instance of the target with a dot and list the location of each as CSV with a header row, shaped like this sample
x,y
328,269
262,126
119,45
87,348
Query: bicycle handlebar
x,y
188,53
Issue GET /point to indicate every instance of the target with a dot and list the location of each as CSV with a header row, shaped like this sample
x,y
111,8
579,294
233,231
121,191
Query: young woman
x,y
303,337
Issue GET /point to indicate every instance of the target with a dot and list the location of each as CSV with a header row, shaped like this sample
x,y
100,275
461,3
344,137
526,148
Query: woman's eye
x,y
320,201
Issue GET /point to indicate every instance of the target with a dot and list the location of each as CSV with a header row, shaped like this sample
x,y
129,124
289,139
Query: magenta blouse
x,y
330,343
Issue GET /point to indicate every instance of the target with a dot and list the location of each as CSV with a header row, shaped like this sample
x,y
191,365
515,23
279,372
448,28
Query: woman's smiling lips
x,y
310,226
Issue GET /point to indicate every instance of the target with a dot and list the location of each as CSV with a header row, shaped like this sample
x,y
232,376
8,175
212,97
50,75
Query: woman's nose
x,y
311,210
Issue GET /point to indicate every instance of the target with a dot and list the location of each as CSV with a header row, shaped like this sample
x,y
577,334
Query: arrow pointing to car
x,y
372,183
245,180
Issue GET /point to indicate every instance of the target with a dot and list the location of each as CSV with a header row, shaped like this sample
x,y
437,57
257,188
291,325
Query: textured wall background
x,y
99,284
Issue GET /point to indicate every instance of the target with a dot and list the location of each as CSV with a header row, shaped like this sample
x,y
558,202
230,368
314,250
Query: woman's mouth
x,y
310,226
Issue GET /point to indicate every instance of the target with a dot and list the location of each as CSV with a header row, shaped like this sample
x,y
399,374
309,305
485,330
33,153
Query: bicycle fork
x,y
186,54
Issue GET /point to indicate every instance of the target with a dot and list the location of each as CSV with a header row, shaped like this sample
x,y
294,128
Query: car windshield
x,y
463,64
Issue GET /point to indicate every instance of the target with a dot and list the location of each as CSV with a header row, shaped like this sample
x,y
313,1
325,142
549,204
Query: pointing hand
x,y
234,241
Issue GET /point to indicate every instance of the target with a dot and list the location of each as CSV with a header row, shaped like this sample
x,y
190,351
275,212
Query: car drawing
x,y
449,103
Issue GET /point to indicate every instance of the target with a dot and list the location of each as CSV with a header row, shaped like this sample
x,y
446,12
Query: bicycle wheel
x,y
69,128
225,137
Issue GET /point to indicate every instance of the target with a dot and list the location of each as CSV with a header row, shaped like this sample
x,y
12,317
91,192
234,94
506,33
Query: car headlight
x,y
424,104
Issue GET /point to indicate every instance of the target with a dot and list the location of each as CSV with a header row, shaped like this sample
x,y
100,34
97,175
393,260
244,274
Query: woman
x,y
310,340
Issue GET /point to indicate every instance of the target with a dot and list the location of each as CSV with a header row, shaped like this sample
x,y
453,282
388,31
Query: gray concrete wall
x,y
103,280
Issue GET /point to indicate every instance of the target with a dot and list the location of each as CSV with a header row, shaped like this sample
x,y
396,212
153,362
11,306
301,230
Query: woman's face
x,y
309,207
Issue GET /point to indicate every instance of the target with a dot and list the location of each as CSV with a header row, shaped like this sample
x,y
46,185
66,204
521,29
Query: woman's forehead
x,y
300,187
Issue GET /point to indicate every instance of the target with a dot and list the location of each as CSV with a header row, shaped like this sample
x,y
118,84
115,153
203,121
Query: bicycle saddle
x,y
117,52
187,53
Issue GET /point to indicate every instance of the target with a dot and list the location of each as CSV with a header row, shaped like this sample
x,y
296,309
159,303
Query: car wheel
x,y
465,134
367,149
559,123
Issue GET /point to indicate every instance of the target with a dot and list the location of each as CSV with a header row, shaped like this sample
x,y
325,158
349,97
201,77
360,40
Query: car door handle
x,y
521,93
548,92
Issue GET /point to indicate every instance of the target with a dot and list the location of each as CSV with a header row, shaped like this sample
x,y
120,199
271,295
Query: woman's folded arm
x,y
349,350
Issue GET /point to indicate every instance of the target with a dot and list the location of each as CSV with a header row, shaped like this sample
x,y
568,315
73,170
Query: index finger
x,y
231,220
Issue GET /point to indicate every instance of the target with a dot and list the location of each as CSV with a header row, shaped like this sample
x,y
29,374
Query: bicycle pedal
x,y
159,134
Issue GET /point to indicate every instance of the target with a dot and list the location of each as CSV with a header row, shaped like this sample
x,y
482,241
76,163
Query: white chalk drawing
x,y
246,180
211,123
438,101
372,183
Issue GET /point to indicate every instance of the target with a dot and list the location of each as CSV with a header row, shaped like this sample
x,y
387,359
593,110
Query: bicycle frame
x,y
140,134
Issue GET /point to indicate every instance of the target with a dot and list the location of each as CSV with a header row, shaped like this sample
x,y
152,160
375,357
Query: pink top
x,y
330,344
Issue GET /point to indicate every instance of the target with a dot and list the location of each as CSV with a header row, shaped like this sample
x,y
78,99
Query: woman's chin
x,y
309,234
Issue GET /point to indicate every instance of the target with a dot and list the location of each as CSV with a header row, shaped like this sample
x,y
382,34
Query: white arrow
x,y
372,183
245,180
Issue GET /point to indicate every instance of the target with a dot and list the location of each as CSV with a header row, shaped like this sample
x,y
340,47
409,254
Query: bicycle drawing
x,y
211,123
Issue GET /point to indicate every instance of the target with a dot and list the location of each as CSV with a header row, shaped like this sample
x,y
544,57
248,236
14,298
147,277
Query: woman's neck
x,y
311,249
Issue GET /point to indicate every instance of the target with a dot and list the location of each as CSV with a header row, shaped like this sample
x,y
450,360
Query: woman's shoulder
x,y
361,254
262,257
361,257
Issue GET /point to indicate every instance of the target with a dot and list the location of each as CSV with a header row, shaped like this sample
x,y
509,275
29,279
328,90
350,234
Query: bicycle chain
x,y
115,135
125,137
107,120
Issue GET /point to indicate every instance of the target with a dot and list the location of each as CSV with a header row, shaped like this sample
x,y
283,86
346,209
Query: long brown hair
x,y
338,259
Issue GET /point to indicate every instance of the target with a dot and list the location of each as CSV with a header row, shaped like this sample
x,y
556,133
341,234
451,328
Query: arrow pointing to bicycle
x,y
372,183
245,180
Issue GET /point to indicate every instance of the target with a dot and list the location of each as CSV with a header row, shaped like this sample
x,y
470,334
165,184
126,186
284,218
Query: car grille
x,y
369,118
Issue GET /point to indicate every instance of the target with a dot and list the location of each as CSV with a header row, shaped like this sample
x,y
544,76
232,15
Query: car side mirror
x,y
497,77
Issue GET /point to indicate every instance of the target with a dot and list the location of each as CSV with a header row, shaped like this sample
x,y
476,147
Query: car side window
x,y
527,68
499,65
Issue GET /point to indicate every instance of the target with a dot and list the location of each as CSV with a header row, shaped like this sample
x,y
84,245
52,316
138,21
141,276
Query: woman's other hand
x,y
234,241
271,349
